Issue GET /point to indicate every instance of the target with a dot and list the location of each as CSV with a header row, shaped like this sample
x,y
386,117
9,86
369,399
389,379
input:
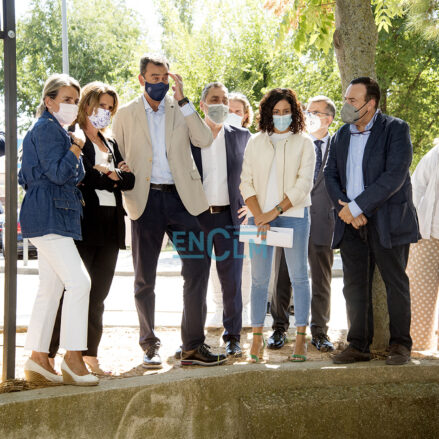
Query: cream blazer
x,y
130,129
297,159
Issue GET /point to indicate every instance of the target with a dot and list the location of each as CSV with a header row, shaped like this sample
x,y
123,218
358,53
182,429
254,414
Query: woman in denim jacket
x,y
103,222
50,216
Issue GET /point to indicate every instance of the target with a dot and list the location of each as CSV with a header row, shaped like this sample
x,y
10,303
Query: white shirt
x,y
324,145
161,172
272,197
425,181
214,160
105,197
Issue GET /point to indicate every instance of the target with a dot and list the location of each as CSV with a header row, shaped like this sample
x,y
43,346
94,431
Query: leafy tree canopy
x,y
105,43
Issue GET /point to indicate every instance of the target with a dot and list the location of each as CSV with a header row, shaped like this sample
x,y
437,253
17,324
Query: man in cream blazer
x,y
154,133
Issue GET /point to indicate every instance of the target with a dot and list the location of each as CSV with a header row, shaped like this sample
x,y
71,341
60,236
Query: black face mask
x,y
156,91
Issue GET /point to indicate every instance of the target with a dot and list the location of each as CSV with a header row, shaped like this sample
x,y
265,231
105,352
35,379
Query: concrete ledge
x,y
311,400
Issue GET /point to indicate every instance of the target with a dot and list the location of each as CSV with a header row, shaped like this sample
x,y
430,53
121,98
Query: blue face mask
x,y
156,91
281,123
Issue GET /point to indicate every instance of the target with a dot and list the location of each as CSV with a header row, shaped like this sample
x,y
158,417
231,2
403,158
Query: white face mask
x,y
234,119
312,122
67,113
100,119
217,113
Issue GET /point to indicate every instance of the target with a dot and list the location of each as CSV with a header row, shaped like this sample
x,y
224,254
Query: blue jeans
x,y
296,258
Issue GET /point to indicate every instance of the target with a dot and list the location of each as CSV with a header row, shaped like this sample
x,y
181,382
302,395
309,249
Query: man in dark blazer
x,y
320,115
367,177
220,169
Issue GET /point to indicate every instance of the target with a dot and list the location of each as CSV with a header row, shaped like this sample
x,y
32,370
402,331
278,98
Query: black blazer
x,y
321,210
387,195
92,232
236,140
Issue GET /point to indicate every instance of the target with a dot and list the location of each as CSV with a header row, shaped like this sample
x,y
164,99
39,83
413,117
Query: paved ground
x,y
119,350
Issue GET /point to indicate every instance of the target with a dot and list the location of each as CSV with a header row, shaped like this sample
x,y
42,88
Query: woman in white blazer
x,y
276,181
423,264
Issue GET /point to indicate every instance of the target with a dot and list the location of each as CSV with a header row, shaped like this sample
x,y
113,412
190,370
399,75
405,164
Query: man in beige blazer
x,y
154,133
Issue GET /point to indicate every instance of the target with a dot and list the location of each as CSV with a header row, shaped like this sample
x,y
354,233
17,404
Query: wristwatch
x,y
279,209
183,101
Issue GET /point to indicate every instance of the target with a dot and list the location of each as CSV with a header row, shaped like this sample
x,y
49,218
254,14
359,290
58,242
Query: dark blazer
x,y
322,210
92,232
387,195
236,140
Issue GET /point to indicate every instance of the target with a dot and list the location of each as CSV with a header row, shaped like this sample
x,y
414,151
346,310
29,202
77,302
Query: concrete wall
x,y
315,400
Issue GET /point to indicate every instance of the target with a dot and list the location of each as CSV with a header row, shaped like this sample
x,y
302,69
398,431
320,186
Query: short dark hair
x,y
372,88
269,101
158,60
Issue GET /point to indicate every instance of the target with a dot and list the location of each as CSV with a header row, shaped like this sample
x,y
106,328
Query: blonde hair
x,y
248,111
90,96
52,86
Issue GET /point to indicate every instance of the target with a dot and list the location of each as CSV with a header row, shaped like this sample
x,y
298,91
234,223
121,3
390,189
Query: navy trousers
x,y
220,234
361,251
165,213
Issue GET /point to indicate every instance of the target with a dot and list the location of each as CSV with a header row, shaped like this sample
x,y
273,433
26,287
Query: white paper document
x,y
276,236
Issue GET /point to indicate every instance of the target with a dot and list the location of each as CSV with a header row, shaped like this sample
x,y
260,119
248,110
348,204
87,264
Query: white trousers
x,y
60,267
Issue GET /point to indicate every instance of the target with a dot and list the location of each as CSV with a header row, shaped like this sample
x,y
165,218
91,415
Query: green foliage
x,y
310,23
105,49
385,11
423,17
408,72
235,43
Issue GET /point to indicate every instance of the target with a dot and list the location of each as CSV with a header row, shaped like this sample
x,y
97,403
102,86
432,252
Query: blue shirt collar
x,y
148,108
369,126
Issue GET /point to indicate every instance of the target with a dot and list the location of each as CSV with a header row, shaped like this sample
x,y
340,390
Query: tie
x,y
319,158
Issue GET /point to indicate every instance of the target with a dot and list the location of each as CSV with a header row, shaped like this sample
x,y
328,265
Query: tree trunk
x,y
355,39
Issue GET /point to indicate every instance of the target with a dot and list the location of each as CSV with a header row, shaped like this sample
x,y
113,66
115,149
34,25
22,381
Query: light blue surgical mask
x,y
281,123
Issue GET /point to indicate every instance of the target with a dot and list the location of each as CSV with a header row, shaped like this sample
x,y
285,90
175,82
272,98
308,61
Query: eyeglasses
x,y
316,113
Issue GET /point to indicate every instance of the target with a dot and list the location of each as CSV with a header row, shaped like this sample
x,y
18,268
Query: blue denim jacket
x,y
49,173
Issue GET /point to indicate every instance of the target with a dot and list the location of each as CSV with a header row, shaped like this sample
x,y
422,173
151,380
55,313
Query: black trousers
x,y
100,262
165,213
320,259
361,251
280,301
219,233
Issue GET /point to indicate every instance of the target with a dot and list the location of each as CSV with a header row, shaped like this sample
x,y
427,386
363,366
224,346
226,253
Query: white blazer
x,y
298,158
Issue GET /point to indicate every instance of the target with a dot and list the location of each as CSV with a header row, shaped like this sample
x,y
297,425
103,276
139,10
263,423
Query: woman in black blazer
x,y
103,225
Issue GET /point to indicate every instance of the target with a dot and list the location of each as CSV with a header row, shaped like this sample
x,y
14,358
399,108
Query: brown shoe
x,y
350,355
398,355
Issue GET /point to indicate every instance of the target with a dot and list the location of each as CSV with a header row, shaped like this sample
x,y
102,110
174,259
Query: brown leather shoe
x,y
350,355
398,355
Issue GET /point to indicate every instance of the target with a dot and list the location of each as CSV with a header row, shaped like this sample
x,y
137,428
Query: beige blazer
x,y
295,163
130,129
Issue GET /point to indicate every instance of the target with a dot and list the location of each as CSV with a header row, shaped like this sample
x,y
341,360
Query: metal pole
x,y
65,39
11,190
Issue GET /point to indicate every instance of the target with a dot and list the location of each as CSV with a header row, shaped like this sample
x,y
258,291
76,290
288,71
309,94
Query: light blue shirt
x,y
161,172
354,166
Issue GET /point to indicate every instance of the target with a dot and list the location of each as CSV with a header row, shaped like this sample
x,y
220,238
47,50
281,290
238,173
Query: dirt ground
x,y
120,353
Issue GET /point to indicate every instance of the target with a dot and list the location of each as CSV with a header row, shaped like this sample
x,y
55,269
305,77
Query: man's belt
x,y
218,209
163,187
